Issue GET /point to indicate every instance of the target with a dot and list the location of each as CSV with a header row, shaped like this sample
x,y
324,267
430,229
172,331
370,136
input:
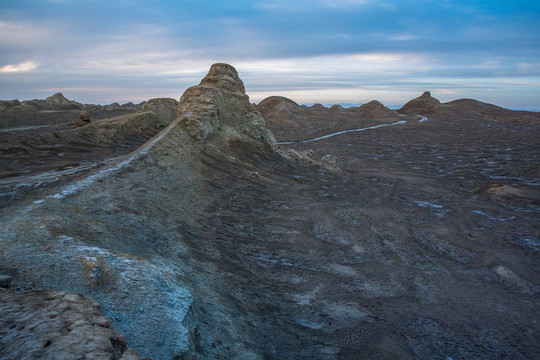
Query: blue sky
x,y
342,51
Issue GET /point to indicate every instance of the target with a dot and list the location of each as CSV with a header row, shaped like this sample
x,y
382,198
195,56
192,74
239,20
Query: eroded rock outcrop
x,y
219,108
82,120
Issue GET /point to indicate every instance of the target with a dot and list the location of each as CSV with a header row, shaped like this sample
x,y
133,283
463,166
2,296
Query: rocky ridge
x,y
424,104
58,102
47,154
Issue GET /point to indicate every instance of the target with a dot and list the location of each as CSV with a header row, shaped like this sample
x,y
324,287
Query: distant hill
x,y
283,116
427,104
59,102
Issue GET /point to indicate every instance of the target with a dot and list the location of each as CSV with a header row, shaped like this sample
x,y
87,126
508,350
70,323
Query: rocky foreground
x,y
191,234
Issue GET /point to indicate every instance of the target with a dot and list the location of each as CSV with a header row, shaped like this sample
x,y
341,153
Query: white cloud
x,y
27,33
403,37
308,5
22,67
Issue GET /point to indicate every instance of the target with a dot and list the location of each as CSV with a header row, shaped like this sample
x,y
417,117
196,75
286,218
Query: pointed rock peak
x,y
57,98
424,104
218,110
426,96
57,101
375,110
225,77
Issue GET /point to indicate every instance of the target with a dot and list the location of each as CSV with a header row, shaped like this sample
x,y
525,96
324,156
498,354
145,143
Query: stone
x,y
329,161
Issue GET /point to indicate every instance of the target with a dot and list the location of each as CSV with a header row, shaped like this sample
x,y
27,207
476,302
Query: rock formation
x,y
218,108
82,120
375,110
280,111
424,105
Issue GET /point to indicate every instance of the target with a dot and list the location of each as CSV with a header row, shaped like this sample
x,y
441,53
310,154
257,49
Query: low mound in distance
x,y
292,122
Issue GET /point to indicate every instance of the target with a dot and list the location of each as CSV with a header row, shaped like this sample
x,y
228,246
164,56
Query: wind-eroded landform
x,y
188,230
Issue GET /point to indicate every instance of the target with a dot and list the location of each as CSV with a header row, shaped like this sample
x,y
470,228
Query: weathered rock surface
x,y
57,325
219,109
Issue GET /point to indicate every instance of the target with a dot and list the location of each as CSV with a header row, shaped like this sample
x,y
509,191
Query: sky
x,y
316,51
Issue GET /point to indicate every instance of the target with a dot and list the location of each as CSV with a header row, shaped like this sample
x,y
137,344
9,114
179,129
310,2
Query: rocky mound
x,y
155,115
82,120
423,105
59,101
280,111
286,119
219,108
490,111
375,110
473,109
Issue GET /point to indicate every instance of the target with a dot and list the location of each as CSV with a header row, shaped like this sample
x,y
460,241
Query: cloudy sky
x,y
328,51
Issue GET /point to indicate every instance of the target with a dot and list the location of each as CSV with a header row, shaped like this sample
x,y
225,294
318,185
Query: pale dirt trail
x,y
402,122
